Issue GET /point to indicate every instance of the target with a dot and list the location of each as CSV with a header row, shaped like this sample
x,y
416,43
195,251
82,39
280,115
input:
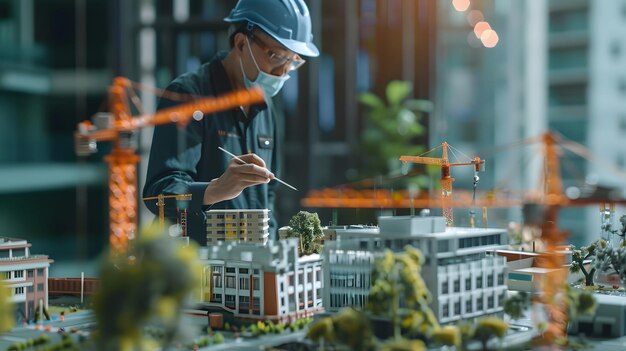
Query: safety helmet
x,y
287,21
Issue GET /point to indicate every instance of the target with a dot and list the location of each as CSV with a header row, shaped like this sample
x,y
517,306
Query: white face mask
x,y
270,84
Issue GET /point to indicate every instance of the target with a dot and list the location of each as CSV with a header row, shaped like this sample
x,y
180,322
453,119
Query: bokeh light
x,y
474,17
489,38
461,5
480,27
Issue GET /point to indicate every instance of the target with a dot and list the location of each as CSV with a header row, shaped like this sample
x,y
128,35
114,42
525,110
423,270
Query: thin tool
x,y
244,162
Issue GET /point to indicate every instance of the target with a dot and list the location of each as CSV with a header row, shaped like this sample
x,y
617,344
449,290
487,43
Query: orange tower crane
x,y
446,180
118,126
161,205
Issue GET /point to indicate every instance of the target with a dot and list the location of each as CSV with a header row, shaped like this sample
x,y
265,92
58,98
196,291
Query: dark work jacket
x,y
183,160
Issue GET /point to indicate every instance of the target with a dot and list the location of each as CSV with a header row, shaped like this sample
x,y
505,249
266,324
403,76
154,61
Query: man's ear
x,y
240,41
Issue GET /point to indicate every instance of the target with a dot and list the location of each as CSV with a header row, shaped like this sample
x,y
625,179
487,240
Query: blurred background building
x,y
545,64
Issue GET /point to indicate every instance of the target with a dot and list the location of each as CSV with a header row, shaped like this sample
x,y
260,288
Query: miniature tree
x,y
148,284
487,328
307,227
620,232
395,277
403,345
349,327
515,305
581,255
579,302
448,335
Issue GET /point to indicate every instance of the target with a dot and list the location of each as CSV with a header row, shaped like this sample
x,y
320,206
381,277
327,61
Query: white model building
x,y
265,282
464,281
237,225
25,274
609,320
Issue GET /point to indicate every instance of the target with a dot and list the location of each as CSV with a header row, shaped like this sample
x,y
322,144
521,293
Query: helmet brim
x,y
300,48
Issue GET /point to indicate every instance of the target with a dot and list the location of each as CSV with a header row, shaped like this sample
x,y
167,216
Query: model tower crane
x,y
118,127
446,180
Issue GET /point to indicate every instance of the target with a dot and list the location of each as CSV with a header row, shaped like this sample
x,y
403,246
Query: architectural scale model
x,y
25,274
237,225
262,281
465,282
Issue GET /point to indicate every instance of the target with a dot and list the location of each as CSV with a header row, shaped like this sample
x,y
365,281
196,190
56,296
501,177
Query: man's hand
x,y
237,177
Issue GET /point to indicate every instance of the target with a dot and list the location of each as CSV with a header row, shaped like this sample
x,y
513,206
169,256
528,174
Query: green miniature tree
x,y
579,302
391,128
487,328
515,305
307,227
579,256
146,285
7,312
403,345
398,276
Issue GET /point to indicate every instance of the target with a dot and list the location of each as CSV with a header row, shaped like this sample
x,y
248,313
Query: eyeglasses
x,y
278,60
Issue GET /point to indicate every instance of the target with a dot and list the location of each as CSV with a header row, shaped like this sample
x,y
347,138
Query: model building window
x,y
292,280
500,279
490,301
490,280
479,304
230,300
230,269
243,271
446,311
479,282
19,290
282,287
457,308
468,284
40,272
220,216
443,246
244,301
30,273
468,306
243,283
444,287
230,282
40,287
457,285
31,289
255,284
301,301
19,274
217,298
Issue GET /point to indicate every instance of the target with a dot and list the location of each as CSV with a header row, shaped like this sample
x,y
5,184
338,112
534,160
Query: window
x,y
244,301
217,269
230,300
444,287
256,271
479,282
230,282
40,272
19,274
490,280
230,269
243,284
255,284
217,298
19,291
30,273
446,311
217,281
443,246
490,302
457,308
282,301
468,306
468,284
282,287
500,278
30,289
40,287
479,304
457,285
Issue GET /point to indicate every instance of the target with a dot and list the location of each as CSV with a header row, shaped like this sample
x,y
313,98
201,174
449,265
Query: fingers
x,y
253,158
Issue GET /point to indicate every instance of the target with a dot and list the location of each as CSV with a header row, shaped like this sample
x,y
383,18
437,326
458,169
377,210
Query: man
x,y
268,39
